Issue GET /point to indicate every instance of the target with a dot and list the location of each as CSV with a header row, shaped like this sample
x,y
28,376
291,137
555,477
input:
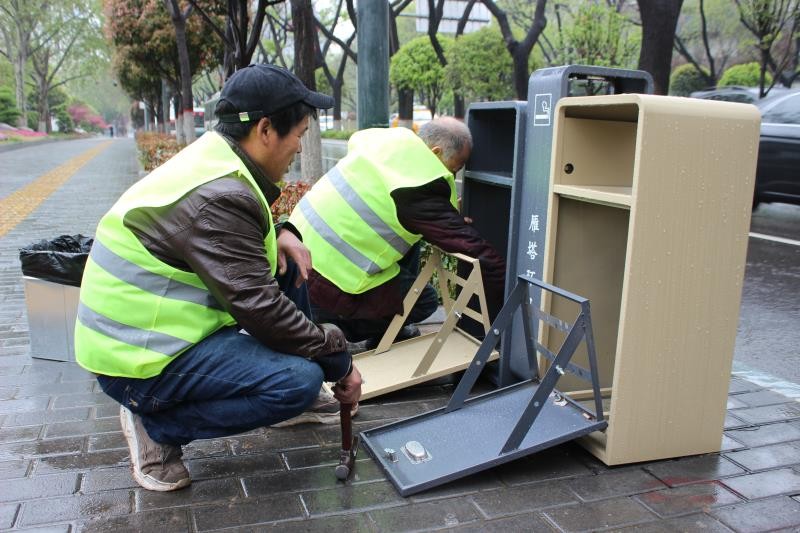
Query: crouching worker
x,y
193,309
363,222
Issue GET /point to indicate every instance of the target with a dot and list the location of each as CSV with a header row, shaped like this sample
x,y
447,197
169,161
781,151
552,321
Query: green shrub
x,y
8,106
337,134
746,75
686,79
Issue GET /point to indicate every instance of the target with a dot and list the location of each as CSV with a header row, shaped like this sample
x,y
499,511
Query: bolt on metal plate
x,y
416,452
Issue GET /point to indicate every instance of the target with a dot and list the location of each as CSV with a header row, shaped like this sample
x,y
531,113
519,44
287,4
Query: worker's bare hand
x,y
290,245
348,389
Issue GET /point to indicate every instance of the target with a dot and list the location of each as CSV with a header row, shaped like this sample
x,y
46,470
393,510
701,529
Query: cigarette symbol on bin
x,y
542,106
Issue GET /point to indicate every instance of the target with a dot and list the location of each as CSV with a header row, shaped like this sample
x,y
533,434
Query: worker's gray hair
x,y
448,133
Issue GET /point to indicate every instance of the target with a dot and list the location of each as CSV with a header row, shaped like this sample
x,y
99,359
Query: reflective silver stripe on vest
x,y
327,233
150,340
366,212
137,276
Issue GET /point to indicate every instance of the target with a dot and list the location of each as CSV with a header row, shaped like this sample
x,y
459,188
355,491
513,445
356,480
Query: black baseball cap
x,y
261,90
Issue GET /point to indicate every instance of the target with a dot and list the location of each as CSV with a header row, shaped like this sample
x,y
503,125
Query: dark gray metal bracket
x,y
469,435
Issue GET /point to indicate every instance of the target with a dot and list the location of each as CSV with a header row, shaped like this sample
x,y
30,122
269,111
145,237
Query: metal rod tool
x,y
347,457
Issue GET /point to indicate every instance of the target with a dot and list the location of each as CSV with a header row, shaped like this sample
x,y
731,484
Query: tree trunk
x,y
187,100
19,73
405,107
659,20
43,108
305,53
165,100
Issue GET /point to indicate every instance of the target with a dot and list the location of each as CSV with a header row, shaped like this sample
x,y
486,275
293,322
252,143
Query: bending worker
x,y
363,221
193,312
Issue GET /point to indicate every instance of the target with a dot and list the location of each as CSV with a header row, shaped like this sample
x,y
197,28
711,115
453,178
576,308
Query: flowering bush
x,y
155,148
291,193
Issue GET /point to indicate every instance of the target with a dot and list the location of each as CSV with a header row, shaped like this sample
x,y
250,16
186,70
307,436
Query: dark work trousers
x,y
360,328
228,383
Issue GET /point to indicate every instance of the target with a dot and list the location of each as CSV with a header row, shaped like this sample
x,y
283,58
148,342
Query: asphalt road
x,y
768,338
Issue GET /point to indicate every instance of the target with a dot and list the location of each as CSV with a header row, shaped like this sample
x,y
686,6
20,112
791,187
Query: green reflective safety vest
x,y
348,219
136,312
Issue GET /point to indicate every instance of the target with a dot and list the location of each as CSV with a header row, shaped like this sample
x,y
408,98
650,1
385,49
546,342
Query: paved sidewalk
x,y
64,462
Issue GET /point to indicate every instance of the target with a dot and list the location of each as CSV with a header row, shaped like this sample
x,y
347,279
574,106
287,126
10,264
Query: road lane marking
x,y
774,239
15,207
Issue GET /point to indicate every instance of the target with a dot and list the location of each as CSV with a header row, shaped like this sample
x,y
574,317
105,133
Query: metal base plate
x,y
470,439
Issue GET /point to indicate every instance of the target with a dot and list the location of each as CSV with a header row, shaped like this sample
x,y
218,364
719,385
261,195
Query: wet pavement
x,y
64,462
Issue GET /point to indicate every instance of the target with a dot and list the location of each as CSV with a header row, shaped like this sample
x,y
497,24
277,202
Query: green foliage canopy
x,y
146,50
415,67
599,35
479,67
8,105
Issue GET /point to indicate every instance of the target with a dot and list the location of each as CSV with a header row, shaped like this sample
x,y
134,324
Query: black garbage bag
x,y
60,260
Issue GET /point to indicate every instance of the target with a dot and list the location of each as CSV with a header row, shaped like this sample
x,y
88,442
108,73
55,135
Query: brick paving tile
x,y
315,456
161,521
764,484
598,515
272,509
522,499
613,484
764,515
693,469
350,498
560,462
308,479
770,413
14,469
277,439
24,404
350,524
735,403
83,400
205,491
42,448
200,449
82,461
425,516
528,522
729,444
767,434
68,429
486,480
49,389
15,490
19,434
7,515
75,507
732,422
761,398
683,524
100,480
687,499
771,456
214,467
107,441
46,417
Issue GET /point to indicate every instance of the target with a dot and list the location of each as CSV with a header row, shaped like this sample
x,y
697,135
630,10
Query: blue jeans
x,y
226,384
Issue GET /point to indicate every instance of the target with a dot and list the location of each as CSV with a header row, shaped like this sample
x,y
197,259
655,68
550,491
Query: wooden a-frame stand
x,y
391,367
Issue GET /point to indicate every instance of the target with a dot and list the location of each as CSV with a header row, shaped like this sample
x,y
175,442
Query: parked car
x,y
733,93
778,170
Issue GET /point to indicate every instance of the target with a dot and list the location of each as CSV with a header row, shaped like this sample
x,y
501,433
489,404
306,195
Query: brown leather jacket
x,y
217,231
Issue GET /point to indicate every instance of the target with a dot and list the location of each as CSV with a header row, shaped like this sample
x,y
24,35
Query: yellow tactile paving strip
x,y
18,205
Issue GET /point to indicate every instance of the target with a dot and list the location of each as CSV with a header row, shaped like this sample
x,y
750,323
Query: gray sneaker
x,y
324,410
154,466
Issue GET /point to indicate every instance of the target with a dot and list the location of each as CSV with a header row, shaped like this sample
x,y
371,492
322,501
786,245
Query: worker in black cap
x,y
193,312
